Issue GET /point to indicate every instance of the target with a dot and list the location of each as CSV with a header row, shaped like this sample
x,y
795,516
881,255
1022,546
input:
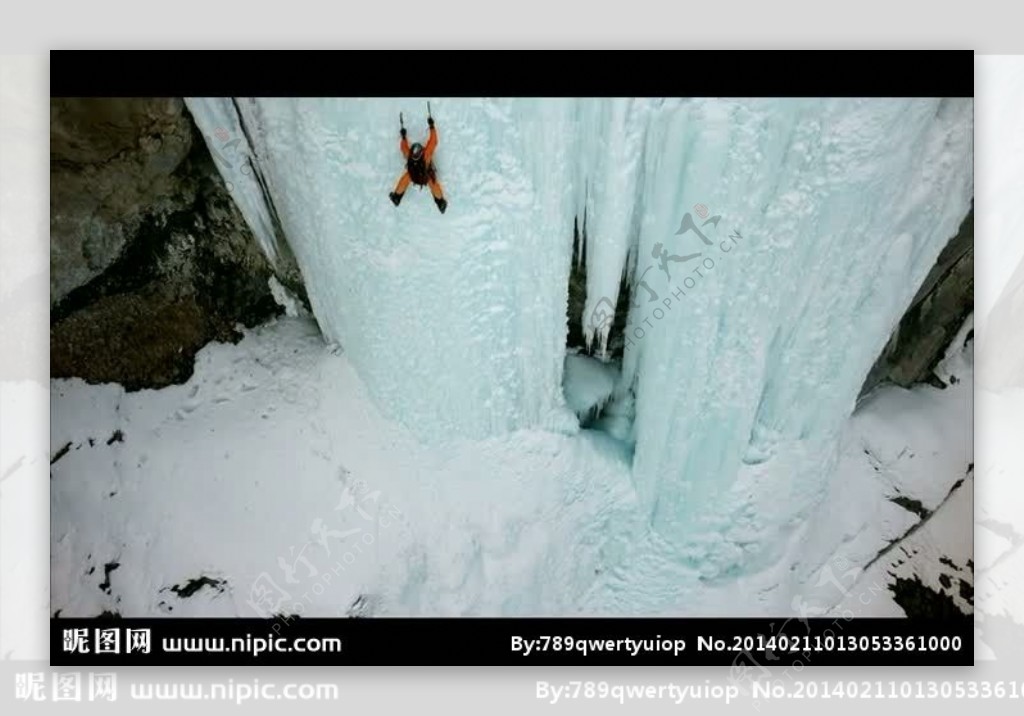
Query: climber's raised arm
x,y
404,144
428,151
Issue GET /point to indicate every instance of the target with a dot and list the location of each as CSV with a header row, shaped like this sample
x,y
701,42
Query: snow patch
x,y
588,383
285,298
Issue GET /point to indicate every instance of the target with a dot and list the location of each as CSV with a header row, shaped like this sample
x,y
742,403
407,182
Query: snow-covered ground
x,y
919,444
271,483
272,467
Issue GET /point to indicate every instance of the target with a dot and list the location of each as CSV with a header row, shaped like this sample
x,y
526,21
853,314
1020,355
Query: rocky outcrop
x,y
939,309
150,258
112,163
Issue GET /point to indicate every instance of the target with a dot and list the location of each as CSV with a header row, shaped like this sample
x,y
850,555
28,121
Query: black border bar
x,y
741,643
548,73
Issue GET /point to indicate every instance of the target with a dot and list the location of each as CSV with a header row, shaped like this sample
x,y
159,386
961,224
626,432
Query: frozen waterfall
x,y
770,247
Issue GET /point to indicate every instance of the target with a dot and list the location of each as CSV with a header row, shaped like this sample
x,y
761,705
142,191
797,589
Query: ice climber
x,y
419,165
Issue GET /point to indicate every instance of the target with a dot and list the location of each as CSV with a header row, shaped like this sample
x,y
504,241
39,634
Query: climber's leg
x,y
403,184
438,193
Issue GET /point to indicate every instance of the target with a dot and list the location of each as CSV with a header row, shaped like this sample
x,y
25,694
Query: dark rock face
x,y
942,304
921,601
150,258
112,162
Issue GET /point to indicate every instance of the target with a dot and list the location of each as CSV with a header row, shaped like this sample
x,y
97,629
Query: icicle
x,y
220,124
831,214
616,129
